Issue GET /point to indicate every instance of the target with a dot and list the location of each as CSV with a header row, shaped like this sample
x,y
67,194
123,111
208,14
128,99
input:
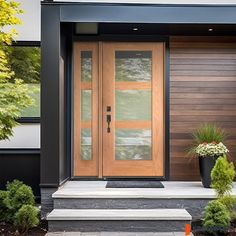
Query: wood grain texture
x,y
202,89
111,166
85,167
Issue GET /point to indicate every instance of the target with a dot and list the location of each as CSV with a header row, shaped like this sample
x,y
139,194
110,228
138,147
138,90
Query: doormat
x,y
134,184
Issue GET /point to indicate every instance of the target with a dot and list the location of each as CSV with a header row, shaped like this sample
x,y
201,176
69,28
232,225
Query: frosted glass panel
x,y
133,104
86,144
86,66
133,144
86,104
133,66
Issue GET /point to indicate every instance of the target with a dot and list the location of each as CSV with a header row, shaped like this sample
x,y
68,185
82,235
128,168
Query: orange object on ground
x,y
187,230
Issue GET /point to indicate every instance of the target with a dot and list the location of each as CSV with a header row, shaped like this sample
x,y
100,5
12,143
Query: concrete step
x,y
124,220
94,195
193,206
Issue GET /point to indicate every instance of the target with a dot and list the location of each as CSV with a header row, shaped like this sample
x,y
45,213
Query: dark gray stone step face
x,y
126,220
194,206
118,226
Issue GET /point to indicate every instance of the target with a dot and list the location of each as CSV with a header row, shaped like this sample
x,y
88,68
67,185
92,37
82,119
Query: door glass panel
x,y
86,144
86,66
133,104
133,66
86,104
133,144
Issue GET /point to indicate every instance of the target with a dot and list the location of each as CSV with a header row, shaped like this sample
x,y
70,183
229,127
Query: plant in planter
x,y
208,146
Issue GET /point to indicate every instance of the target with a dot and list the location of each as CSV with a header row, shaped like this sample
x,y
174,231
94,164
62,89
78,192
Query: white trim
x,y
119,214
207,2
25,136
31,19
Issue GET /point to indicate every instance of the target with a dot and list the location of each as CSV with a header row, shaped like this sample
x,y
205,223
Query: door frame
x,y
166,80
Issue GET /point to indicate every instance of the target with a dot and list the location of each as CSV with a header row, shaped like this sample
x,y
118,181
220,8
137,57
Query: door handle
x,y
108,123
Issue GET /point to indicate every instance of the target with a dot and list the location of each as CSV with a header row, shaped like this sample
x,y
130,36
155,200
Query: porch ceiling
x,y
167,29
173,189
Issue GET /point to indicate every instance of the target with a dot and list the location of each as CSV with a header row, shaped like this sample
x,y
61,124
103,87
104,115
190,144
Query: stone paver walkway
x,y
116,234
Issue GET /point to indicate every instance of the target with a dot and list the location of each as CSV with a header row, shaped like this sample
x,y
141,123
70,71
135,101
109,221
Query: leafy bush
x,y
216,217
222,176
26,218
229,202
13,186
24,195
209,133
16,195
3,208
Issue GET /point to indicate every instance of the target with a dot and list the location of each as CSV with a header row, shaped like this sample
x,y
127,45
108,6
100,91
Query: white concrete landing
x,y
172,189
119,214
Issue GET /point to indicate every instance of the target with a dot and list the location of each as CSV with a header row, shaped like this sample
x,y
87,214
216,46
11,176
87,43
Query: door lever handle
x,y
108,123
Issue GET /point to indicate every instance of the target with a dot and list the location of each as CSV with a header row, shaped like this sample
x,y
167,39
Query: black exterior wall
x,y
52,100
66,69
55,101
56,65
23,165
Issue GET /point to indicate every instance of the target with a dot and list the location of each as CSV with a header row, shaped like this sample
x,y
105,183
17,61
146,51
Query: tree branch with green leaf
x,y
14,94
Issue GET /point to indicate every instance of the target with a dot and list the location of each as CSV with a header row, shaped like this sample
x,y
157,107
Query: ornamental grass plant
x,y
208,141
209,133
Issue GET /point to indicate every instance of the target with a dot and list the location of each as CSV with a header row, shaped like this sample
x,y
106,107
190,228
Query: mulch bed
x,y
9,230
198,230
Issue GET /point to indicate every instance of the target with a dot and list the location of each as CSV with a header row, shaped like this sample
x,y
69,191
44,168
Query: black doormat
x,y
134,184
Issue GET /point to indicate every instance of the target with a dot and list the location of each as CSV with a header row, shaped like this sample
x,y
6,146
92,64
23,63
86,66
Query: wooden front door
x,y
119,109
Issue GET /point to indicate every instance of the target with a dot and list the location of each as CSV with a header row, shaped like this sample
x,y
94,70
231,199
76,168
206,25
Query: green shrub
x,y
23,196
3,207
26,218
222,176
17,195
13,186
216,217
229,202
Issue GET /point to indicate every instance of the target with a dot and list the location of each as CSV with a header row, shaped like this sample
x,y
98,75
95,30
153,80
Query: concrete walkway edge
x,y
116,234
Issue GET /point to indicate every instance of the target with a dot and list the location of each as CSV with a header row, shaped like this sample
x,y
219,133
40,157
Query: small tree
x,y
220,212
222,176
14,94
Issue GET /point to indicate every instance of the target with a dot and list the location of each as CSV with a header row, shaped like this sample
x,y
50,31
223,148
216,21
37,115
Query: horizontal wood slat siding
x,y
202,89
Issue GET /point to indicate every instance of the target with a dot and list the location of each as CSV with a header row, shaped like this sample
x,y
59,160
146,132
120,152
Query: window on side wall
x,y
25,62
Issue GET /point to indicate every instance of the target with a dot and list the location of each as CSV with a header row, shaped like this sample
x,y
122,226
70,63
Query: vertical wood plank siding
x,y
202,89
